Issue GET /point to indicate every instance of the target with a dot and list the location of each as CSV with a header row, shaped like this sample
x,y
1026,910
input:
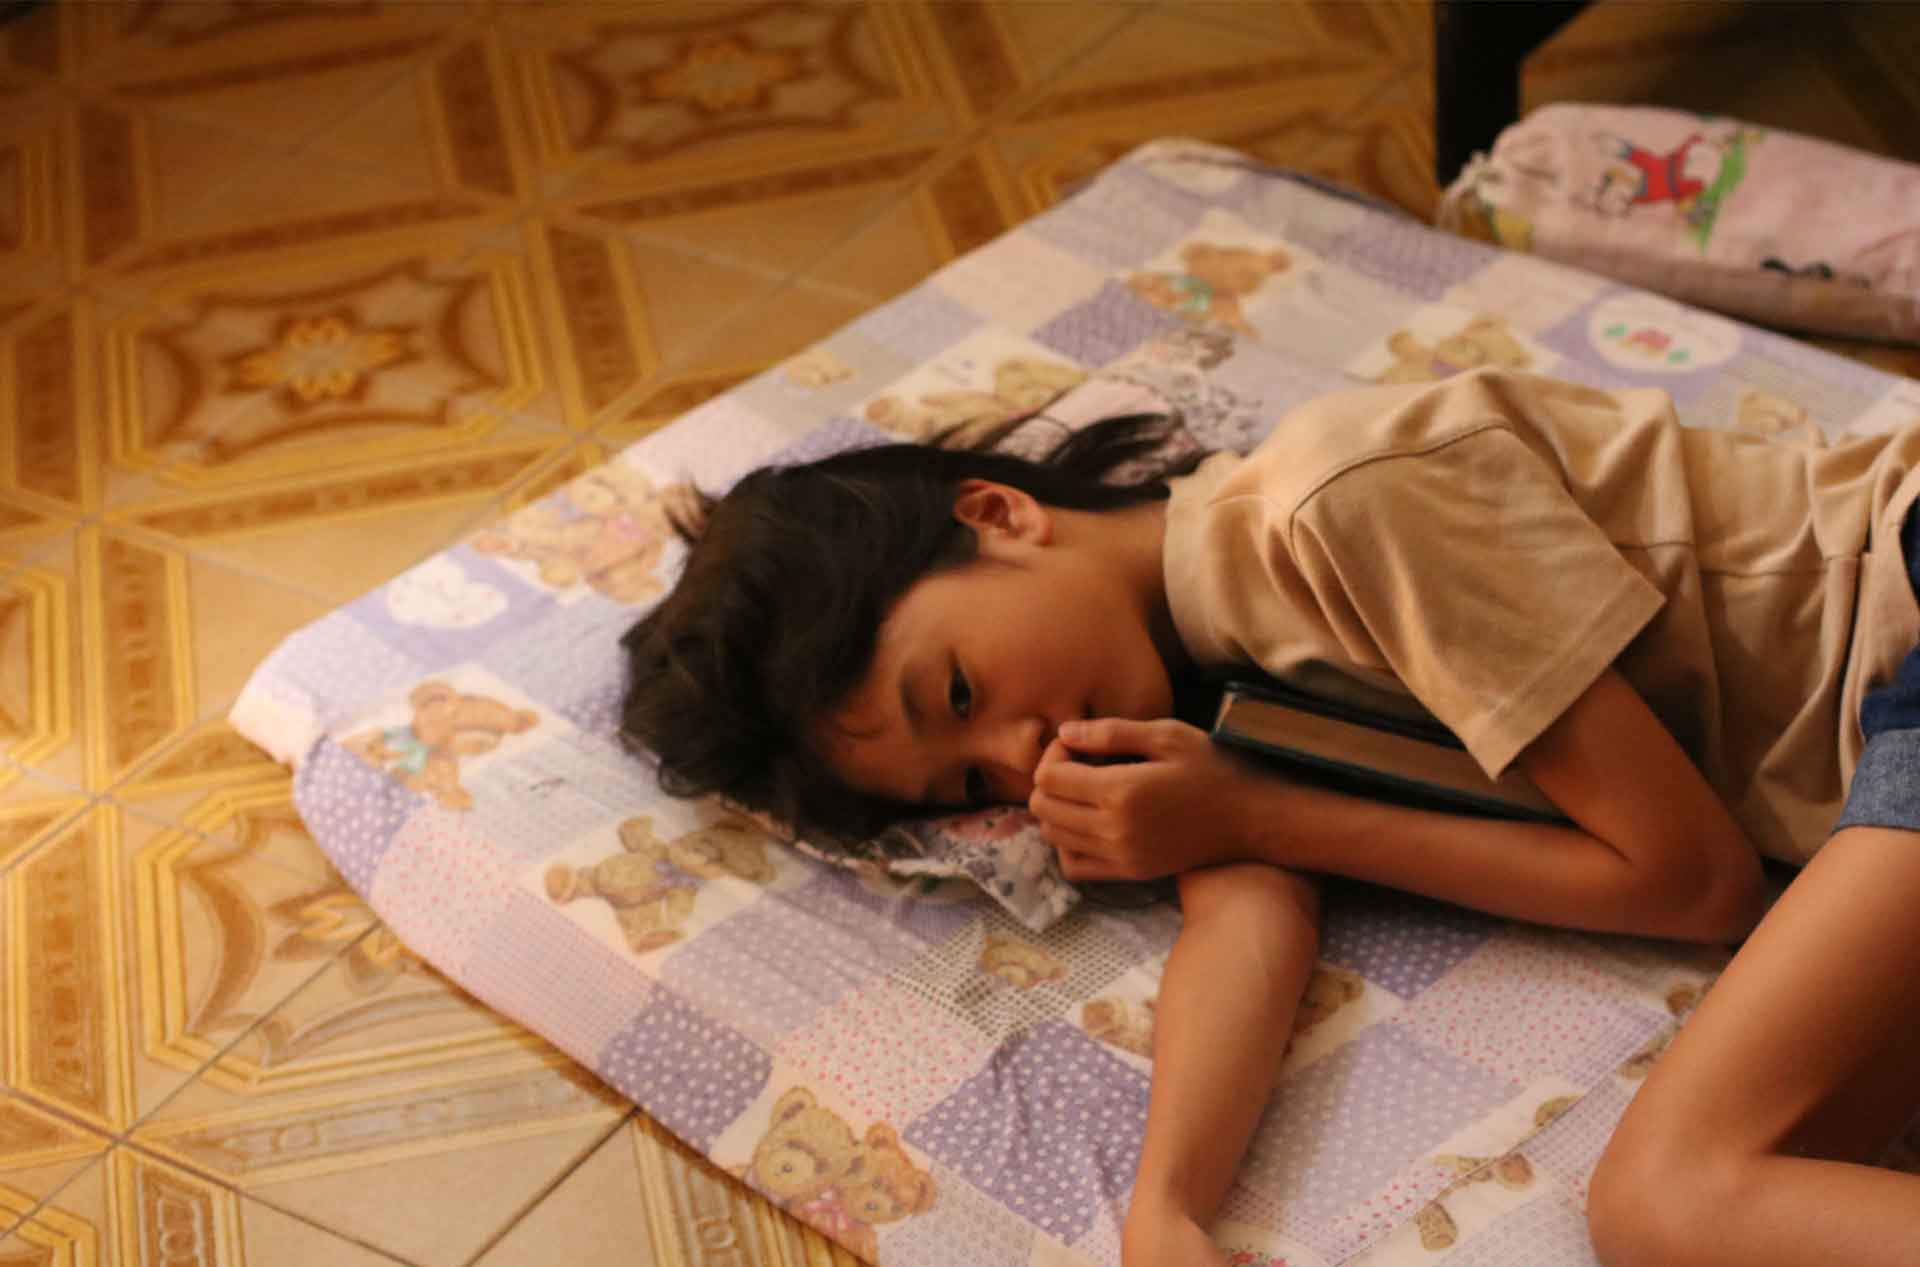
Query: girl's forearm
x,y
1540,872
1650,850
1225,1013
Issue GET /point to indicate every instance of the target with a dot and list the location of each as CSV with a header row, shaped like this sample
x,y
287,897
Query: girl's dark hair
x,y
774,618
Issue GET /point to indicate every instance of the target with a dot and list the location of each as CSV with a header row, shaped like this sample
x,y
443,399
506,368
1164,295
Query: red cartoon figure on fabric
x,y
1694,177
1640,177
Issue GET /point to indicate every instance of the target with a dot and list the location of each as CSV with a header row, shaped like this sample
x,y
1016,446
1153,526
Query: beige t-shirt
x,y
1489,544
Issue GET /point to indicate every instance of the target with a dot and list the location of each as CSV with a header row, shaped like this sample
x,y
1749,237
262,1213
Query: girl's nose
x,y
1017,748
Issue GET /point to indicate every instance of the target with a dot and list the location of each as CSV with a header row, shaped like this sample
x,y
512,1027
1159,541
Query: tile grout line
x,y
943,157
123,1138
534,1201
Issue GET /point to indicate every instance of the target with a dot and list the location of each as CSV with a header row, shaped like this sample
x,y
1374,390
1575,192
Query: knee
x,y
1652,1203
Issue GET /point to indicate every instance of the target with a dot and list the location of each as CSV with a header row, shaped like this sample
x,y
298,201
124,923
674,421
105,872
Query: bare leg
x,y
1748,1142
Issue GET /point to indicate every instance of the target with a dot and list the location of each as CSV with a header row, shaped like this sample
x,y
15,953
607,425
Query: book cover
x,y
1371,754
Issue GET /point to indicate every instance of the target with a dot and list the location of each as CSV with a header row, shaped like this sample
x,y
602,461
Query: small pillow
x,y
1767,225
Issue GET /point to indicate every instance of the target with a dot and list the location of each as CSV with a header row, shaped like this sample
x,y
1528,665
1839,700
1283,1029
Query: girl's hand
x,y
1174,801
1166,1239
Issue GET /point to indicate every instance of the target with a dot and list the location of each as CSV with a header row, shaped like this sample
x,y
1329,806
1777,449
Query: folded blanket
x,y
1764,224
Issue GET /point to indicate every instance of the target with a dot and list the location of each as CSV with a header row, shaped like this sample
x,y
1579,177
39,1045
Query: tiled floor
x,y
293,294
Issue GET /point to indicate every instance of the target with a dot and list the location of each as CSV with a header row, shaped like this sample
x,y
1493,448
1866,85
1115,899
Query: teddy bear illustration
x,y
1021,385
1512,1172
1641,1063
1437,1229
1482,341
606,530
1128,1026
1549,1110
1328,990
1019,963
1216,280
806,1150
652,885
883,1186
448,726
817,368
812,1164
1769,414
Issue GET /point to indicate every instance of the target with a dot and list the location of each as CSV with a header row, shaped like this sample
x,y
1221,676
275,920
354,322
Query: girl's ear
x,y
1002,512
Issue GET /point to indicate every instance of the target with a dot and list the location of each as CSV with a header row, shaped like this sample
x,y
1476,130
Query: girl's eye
x,y
959,693
976,784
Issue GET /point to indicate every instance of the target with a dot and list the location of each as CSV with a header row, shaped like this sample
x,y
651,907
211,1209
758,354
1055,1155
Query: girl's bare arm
x,y
1226,1009
1651,851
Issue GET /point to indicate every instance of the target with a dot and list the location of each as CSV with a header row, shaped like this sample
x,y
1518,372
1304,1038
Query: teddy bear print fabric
x,y
936,1052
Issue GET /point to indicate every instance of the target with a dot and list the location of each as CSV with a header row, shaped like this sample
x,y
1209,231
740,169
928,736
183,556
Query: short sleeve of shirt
x,y
1478,579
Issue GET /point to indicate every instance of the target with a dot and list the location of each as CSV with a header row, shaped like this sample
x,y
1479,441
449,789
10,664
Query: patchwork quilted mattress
x,y
932,1077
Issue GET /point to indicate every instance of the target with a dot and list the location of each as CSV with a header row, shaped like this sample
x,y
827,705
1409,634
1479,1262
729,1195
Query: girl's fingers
x,y
1084,868
1055,811
1079,853
1122,736
1068,780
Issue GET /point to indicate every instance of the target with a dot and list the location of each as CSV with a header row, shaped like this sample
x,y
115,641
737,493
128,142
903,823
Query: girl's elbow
x,y
1741,899
1273,914
1718,900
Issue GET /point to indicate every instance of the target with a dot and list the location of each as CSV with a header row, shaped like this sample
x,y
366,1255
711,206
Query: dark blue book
x,y
1365,753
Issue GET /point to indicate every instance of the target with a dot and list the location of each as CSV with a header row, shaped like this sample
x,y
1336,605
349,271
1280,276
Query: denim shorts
x,y
1886,784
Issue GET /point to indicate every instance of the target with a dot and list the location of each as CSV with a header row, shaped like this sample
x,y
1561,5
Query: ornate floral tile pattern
x,y
293,295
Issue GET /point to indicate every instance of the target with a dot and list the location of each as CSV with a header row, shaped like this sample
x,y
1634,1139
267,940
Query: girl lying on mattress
x,y
1672,632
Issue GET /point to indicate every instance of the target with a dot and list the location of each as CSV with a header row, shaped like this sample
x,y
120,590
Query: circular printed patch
x,y
1652,335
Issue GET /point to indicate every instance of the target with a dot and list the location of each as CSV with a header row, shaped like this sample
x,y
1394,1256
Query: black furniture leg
x,y
1478,46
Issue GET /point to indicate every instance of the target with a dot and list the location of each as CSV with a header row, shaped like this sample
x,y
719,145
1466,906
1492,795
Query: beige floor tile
x,y
1071,135
122,642
27,521
788,321
337,535
1330,31
1166,56
961,203
998,51
56,1214
727,89
281,1240
1386,148
33,810
141,952
379,1076
281,96
42,679
452,123
173,637
40,1152
32,263
280,72
628,312
810,210
381,354
132,1208
643,1199
148,213
207,764
50,447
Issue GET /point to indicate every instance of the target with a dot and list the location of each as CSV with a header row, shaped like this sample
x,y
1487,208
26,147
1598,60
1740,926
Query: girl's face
x,y
976,667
